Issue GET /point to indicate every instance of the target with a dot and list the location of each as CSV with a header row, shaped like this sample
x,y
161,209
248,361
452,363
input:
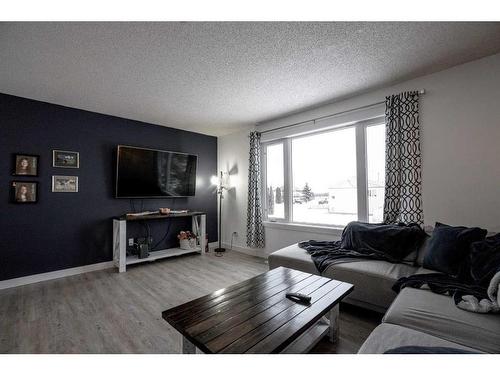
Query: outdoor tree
x,y
279,197
270,201
308,194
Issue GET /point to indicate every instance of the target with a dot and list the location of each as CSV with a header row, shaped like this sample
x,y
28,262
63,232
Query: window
x,y
326,178
375,170
275,182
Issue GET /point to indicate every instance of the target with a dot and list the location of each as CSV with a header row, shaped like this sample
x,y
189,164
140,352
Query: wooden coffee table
x,y
254,316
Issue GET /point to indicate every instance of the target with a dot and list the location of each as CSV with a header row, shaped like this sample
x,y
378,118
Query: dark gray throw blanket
x,y
476,288
359,241
442,284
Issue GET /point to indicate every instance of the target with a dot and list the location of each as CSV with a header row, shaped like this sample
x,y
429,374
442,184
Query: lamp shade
x,y
214,180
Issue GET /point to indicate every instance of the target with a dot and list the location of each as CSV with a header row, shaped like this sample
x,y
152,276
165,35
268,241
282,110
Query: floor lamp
x,y
218,181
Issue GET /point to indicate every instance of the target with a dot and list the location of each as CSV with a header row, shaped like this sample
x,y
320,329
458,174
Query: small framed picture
x,y
25,165
65,159
64,184
24,192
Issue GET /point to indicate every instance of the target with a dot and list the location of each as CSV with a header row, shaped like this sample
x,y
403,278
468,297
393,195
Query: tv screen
x,y
146,173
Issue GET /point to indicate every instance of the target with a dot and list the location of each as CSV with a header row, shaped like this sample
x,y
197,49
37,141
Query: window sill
x,y
309,228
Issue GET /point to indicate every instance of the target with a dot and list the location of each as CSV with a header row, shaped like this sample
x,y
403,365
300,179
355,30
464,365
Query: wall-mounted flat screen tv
x,y
147,173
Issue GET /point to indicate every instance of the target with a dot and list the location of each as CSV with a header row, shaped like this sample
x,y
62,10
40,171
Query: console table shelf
x,y
120,257
160,254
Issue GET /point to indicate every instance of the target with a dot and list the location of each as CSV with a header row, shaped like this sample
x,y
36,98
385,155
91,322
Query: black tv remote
x,y
298,297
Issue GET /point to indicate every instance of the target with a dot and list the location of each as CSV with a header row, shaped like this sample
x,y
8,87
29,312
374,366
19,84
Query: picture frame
x,y
24,192
65,159
25,165
65,184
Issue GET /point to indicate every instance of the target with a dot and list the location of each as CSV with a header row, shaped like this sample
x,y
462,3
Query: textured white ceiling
x,y
216,78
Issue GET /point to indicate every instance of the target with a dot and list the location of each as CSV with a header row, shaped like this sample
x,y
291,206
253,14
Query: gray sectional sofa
x,y
414,317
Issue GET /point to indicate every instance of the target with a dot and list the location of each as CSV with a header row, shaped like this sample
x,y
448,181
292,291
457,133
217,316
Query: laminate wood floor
x,y
108,312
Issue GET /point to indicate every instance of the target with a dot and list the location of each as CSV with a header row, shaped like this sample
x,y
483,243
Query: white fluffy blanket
x,y
491,305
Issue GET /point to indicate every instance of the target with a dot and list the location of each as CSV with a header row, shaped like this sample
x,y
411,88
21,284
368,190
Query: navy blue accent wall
x,y
65,230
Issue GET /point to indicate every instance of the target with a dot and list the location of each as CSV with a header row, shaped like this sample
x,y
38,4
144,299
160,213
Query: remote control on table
x,y
298,297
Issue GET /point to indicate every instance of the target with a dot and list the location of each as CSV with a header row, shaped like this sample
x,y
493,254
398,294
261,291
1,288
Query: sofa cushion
x,y
292,257
389,336
449,246
372,280
437,315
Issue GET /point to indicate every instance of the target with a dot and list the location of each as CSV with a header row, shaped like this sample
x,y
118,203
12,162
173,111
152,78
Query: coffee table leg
x,y
333,317
187,346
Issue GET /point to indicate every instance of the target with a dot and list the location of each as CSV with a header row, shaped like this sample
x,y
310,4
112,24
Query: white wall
x,y
460,135
233,158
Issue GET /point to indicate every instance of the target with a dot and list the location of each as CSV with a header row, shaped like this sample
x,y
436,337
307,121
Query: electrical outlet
x,y
131,242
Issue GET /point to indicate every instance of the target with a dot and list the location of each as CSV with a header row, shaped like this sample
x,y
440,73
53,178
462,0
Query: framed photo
x,y
64,184
24,192
25,165
65,159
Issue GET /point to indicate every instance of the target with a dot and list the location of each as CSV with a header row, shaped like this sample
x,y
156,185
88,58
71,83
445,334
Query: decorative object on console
x,y
65,159
64,184
25,165
187,240
24,192
221,184
144,246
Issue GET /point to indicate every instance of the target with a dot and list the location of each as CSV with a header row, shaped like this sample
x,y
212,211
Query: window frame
x,y
264,182
361,173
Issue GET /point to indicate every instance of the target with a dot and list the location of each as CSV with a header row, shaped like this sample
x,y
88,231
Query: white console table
x,y
120,258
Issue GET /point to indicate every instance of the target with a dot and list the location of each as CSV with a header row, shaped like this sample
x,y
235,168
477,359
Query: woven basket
x,y
188,244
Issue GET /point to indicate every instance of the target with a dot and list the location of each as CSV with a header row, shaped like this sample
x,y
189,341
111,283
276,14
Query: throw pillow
x,y
449,247
485,260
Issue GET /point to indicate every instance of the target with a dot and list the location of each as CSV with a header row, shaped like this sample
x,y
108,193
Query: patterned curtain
x,y
403,165
255,228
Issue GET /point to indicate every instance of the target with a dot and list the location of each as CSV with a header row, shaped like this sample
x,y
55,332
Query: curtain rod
x,y
421,92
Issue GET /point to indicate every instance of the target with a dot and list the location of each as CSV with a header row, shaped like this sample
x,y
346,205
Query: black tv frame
x,y
150,196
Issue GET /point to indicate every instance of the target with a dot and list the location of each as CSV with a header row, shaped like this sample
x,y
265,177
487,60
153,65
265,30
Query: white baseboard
x,y
11,283
25,280
247,250
212,245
